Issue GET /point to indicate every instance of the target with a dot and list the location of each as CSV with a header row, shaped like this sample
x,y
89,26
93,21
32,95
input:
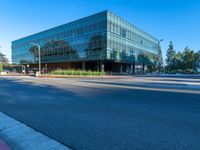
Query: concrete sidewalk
x,y
21,137
3,145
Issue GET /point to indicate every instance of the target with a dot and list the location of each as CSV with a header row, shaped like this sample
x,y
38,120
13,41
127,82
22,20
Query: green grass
x,y
77,73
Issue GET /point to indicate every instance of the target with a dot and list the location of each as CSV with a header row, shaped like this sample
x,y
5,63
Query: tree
x,y
23,61
189,58
198,60
170,55
3,61
34,50
177,61
144,60
182,62
58,48
95,47
1,67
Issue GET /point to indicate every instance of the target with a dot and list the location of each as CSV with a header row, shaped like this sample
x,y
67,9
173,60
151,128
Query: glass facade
x,y
126,42
103,36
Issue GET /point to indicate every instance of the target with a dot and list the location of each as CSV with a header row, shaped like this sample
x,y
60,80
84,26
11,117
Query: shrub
x,y
1,67
189,71
77,72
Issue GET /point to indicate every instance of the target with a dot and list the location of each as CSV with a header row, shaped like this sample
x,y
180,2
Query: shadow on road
x,y
151,85
110,118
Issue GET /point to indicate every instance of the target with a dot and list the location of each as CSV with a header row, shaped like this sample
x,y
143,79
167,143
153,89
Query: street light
x,y
161,41
39,58
27,68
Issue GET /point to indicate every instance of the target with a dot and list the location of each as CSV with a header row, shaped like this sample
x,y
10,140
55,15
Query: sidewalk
x,y
22,137
4,146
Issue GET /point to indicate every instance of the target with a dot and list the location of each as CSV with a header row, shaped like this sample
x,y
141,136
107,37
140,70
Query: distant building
x,y
101,41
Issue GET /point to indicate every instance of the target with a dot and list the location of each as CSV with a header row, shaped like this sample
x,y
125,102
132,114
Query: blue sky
x,y
176,20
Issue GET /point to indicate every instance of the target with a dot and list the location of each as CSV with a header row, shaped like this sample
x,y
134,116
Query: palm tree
x,y
34,50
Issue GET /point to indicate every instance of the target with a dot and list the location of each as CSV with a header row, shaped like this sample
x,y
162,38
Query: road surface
x,y
103,114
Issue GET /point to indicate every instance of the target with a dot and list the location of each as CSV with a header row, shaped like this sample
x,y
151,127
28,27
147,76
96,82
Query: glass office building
x,y
101,41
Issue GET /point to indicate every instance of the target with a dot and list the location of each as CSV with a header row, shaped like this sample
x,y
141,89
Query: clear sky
x,y
176,20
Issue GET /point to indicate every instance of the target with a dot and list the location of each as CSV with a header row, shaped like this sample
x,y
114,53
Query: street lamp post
x,y
27,68
39,57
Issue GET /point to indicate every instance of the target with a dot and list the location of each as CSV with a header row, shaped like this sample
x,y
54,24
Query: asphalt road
x,y
99,115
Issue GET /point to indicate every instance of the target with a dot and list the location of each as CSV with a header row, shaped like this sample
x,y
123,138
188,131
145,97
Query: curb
x,y
22,137
4,146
